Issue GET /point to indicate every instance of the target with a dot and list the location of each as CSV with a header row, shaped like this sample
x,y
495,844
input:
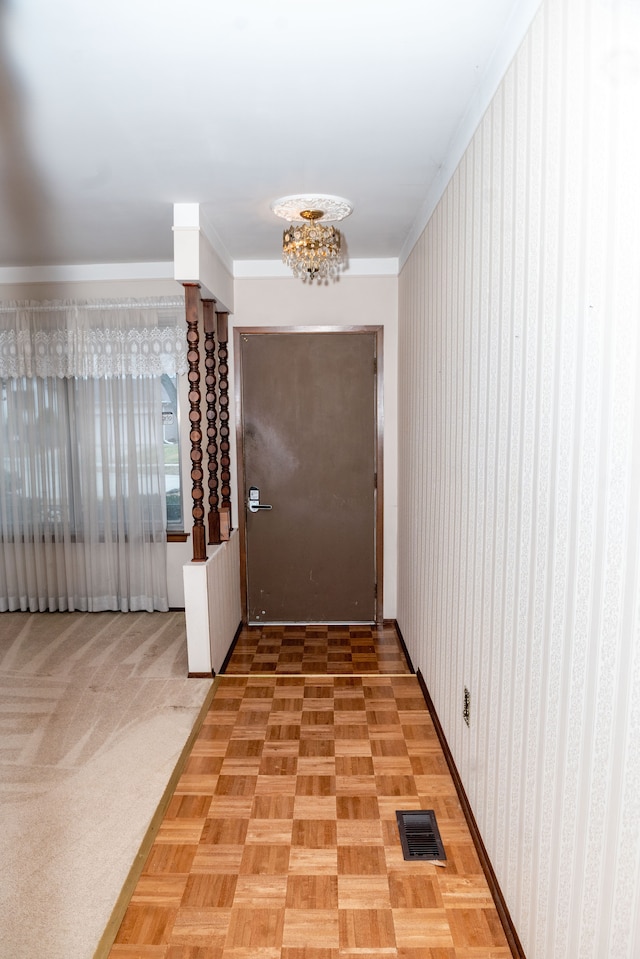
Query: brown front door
x,y
309,451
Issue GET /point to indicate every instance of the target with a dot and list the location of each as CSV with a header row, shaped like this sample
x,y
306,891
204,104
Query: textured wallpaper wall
x,y
519,524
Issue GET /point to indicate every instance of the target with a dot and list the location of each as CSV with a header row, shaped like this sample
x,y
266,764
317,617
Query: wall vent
x,y
419,834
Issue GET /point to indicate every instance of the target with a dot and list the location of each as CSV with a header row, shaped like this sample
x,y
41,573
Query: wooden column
x,y
225,444
192,309
208,307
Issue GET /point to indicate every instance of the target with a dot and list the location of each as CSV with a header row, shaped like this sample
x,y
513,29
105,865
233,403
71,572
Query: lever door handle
x,y
253,502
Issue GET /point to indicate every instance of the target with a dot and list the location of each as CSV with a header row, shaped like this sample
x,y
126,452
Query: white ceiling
x,y
112,110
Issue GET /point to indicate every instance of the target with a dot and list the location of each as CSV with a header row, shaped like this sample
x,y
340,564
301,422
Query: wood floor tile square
x,y
314,807
313,862
170,858
363,892
351,730
462,859
203,765
276,785
278,765
316,786
383,717
256,926
363,785
299,924
268,891
236,786
277,733
160,890
315,747
197,783
265,860
422,928
146,924
193,952
200,927
429,765
259,689
314,833
393,766
312,892
287,700
396,786
389,746
366,929
352,747
269,831
354,766
475,927
441,786
210,891
244,748
180,831
218,860
317,717
223,705
239,768
224,832
465,891
250,720
348,701
230,807
414,891
316,766
361,860
354,832
283,750
188,807
357,807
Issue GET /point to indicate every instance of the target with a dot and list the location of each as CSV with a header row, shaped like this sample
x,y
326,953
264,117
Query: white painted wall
x,y
519,451
352,301
212,605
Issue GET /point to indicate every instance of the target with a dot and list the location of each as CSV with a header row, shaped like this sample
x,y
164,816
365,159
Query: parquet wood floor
x,y
307,650
280,841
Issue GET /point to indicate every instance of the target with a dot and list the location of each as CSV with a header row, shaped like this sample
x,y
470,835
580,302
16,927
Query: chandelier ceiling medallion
x,y
313,250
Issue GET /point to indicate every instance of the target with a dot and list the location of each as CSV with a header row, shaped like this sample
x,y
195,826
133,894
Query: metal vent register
x,y
419,834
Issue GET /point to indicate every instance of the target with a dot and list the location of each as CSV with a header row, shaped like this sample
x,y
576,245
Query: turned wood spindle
x,y
212,413
225,444
192,309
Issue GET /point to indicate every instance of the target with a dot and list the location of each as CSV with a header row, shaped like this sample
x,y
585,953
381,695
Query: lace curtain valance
x,y
141,337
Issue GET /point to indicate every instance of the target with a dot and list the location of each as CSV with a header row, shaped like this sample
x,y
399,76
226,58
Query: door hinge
x,y
375,366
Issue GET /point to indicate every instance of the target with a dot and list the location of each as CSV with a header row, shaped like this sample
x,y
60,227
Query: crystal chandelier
x,y
313,250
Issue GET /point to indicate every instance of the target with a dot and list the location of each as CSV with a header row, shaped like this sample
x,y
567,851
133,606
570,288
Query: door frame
x,y
379,450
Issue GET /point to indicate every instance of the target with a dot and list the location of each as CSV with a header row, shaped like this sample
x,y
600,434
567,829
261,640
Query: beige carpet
x,y
95,709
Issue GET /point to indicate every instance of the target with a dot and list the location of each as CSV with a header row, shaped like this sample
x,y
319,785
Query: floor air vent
x,y
419,834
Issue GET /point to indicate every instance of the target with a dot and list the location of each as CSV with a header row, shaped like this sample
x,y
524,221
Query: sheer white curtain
x,y
82,489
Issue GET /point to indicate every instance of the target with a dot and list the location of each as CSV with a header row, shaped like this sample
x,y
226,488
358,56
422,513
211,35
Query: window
x,y
171,434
